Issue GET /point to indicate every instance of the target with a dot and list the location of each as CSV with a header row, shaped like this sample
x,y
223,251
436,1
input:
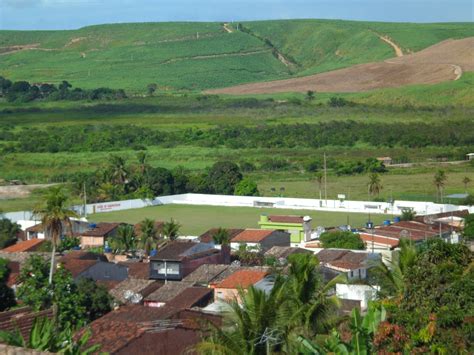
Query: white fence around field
x,y
421,208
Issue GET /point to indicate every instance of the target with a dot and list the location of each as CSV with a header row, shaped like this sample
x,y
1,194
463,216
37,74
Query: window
x,y
351,274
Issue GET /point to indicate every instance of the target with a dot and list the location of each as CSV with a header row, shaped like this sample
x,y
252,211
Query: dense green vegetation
x,y
194,56
341,240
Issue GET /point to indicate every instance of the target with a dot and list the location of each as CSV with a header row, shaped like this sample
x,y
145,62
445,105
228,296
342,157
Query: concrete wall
x,y
420,208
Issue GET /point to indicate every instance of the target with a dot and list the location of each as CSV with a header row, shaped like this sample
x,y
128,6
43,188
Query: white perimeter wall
x,y
420,208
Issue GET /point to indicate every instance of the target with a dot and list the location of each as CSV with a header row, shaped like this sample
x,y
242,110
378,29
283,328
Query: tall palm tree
x,y
319,179
391,277
54,213
308,292
171,229
125,240
375,184
118,168
466,181
142,158
258,324
148,235
439,181
221,237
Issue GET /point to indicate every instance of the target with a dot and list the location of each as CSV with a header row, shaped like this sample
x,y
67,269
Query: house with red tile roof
x,y
353,264
228,289
388,237
24,246
260,239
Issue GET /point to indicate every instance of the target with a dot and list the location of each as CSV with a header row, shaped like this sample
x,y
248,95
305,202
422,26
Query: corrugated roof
x,y
252,235
242,279
27,245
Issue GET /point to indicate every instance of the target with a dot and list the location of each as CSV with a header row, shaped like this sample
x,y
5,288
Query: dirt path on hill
x,y
19,191
227,28
397,49
233,54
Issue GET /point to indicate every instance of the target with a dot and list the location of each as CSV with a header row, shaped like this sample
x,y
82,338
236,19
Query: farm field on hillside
x,y
196,56
198,219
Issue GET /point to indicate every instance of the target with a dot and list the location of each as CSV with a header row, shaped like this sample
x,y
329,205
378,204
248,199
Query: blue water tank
x,y
396,219
76,248
387,222
107,250
92,225
153,252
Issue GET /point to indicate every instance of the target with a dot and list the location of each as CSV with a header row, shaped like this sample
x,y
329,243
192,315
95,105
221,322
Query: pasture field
x,y
195,220
195,56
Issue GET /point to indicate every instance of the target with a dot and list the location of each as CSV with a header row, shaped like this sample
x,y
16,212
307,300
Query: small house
x,y
98,233
228,289
260,239
470,156
299,227
179,258
353,264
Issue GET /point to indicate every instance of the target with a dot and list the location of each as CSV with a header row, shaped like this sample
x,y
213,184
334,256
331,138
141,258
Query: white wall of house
x,y
363,293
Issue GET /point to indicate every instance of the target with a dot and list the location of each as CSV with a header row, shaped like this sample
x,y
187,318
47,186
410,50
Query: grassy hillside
x,y
195,56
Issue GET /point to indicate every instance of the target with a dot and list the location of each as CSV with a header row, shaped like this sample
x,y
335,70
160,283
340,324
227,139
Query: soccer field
x,y
197,219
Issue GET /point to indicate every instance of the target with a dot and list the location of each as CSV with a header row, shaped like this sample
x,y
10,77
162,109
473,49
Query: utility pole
x,y
85,199
325,181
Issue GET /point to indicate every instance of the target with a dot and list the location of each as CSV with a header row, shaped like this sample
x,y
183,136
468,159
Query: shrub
x,y
341,239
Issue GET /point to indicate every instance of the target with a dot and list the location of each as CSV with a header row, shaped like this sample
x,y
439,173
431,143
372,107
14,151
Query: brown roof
x,y
101,229
179,250
143,287
83,255
27,245
119,328
252,235
284,252
37,228
206,273
242,279
168,291
22,319
137,269
427,218
191,297
368,238
342,259
77,266
206,237
286,219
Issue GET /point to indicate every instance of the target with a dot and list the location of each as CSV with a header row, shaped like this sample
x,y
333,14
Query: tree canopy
x,y
341,239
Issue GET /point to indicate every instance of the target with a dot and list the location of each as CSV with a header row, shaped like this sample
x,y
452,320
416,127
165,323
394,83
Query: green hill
x,y
196,56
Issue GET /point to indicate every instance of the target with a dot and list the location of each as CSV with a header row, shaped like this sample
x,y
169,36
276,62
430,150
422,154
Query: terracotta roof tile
x,y
137,270
179,250
27,245
368,238
22,318
77,266
143,287
252,235
242,279
286,219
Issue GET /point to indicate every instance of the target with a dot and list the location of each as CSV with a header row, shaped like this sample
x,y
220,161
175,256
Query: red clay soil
x,y
441,62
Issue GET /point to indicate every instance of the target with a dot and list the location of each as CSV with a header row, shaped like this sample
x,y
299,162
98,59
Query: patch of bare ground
x,y
442,62
19,191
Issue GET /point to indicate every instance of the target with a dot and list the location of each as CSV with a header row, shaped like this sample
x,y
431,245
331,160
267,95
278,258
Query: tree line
x,y
119,179
336,133
23,91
